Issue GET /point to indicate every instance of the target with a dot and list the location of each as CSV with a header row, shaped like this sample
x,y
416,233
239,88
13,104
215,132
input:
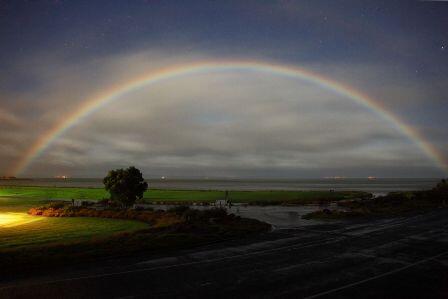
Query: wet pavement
x,y
279,216
404,257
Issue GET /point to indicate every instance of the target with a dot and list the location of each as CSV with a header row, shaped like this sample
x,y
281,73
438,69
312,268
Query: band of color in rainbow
x,y
115,93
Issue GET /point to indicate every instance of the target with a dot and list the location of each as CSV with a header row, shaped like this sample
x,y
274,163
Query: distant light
x,y
335,177
163,178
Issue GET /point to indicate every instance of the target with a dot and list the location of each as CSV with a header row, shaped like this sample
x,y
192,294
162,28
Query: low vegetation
x,y
392,204
55,231
190,228
19,230
183,197
62,209
52,231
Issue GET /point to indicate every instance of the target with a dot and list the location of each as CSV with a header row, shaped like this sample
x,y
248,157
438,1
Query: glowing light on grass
x,y
90,106
15,219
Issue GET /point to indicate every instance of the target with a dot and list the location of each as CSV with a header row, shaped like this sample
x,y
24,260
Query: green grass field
x,y
18,229
53,192
299,197
38,244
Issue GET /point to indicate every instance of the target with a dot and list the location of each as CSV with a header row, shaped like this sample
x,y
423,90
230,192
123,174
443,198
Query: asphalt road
x,y
397,258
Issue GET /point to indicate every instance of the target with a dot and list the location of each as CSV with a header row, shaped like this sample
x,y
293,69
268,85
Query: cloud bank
x,y
228,124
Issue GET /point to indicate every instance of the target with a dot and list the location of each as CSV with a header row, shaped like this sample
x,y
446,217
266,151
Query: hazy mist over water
x,y
376,186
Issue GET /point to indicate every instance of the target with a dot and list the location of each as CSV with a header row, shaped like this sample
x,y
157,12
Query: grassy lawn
x,y
250,197
254,197
37,244
18,229
54,193
47,230
13,204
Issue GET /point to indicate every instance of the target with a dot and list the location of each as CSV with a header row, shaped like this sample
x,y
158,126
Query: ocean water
x,y
377,186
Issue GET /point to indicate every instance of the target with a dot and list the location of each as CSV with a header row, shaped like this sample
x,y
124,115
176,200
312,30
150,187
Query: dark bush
x,y
104,201
178,210
144,209
215,213
57,204
193,215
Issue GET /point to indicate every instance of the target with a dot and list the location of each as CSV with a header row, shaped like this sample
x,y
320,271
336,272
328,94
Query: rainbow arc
x,y
117,92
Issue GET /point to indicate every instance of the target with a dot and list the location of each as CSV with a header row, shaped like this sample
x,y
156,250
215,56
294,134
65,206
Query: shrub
x,y
178,210
144,209
158,218
192,215
215,213
57,204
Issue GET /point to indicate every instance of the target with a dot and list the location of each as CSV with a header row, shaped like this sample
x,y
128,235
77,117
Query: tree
x,y
125,185
442,186
440,192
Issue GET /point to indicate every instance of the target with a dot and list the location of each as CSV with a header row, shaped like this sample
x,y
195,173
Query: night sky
x,y
56,55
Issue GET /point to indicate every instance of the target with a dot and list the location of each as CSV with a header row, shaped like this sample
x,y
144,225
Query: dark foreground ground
x,y
398,258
